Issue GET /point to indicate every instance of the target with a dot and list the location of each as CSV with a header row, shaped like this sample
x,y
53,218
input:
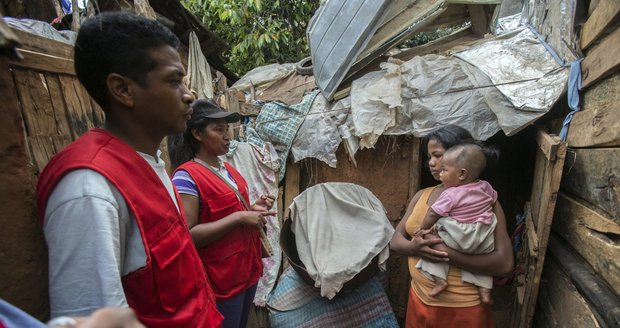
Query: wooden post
x,y
415,165
548,168
75,17
291,184
479,21
143,8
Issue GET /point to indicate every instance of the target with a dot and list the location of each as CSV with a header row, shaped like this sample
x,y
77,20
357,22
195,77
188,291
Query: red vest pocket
x,y
227,269
223,205
172,257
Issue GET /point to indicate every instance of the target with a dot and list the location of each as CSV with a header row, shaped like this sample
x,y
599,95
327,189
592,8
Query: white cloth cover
x,y
339,228
468,238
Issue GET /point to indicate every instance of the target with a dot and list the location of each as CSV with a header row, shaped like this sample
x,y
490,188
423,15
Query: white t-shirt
x,y
93,240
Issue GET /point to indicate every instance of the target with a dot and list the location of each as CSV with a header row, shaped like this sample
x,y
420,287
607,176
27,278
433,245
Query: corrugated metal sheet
x,y
338,33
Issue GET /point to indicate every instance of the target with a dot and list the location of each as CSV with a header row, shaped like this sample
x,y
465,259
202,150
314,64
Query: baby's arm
x,y
430,219
440,208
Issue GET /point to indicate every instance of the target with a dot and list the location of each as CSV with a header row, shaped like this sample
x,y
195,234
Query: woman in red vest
x,y
224,228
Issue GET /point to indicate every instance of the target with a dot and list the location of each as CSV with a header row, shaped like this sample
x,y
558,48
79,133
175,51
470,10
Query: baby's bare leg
x,y
485,295
440,285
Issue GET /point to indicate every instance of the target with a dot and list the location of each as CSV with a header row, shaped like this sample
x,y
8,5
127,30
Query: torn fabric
x,y
318,135
278,124
258,166
198,70
339,228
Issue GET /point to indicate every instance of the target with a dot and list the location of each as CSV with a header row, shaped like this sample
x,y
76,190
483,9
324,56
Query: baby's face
x,y
450,174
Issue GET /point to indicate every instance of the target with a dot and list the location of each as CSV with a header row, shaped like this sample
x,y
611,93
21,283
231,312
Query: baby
x,y
462,216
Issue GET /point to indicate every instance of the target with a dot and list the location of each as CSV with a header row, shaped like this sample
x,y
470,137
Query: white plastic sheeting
x,y
264,76
433,91
43,29
325,127
318,135
198,69
507,24
520,58
504,83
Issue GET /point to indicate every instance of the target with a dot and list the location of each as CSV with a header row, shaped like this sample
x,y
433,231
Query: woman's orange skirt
x,y
420,315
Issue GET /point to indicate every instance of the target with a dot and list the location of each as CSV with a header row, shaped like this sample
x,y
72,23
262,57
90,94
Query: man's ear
x,y
463,174
119,88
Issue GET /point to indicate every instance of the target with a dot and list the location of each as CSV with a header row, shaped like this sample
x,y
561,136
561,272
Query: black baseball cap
x,y
207,108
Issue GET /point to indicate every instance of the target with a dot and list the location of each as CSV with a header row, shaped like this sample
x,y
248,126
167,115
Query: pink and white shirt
x,y
469,203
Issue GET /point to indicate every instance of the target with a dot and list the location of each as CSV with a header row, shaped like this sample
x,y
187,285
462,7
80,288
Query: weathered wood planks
x,y
36,105
415,167
50,107
593,174
581,227
78,104
43,62
605,12
598,122
560,305
23,259
602,59
596,291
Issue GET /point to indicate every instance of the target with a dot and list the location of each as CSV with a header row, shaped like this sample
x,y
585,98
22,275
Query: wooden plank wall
x,y
44,109
587,216
564,306
23,269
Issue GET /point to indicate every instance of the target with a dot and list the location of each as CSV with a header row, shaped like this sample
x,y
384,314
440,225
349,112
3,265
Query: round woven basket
x,y
289,248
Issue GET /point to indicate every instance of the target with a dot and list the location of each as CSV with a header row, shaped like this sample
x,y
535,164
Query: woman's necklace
x,y
204,163
218,169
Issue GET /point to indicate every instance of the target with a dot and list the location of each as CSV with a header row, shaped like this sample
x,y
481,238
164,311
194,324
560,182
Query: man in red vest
x,y
114,227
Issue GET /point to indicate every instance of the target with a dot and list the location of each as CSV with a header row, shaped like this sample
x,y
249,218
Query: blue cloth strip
x,y
554,54
574,85
574,82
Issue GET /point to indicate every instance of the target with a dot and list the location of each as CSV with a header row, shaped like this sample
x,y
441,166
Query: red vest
x,y
171,290
233,262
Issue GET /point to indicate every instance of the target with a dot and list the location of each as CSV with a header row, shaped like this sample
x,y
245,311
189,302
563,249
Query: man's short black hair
x,y
117,42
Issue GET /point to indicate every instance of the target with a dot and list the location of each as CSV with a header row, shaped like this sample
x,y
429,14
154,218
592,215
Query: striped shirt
x,y
186,185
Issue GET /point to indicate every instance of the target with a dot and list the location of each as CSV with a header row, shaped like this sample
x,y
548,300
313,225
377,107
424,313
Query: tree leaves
x,y
259,32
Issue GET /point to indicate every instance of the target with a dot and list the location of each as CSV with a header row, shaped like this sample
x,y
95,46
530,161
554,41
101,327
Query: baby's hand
x,y
421,232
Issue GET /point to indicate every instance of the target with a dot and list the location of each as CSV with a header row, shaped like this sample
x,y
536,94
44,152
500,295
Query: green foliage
x,y
428,36
259,32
